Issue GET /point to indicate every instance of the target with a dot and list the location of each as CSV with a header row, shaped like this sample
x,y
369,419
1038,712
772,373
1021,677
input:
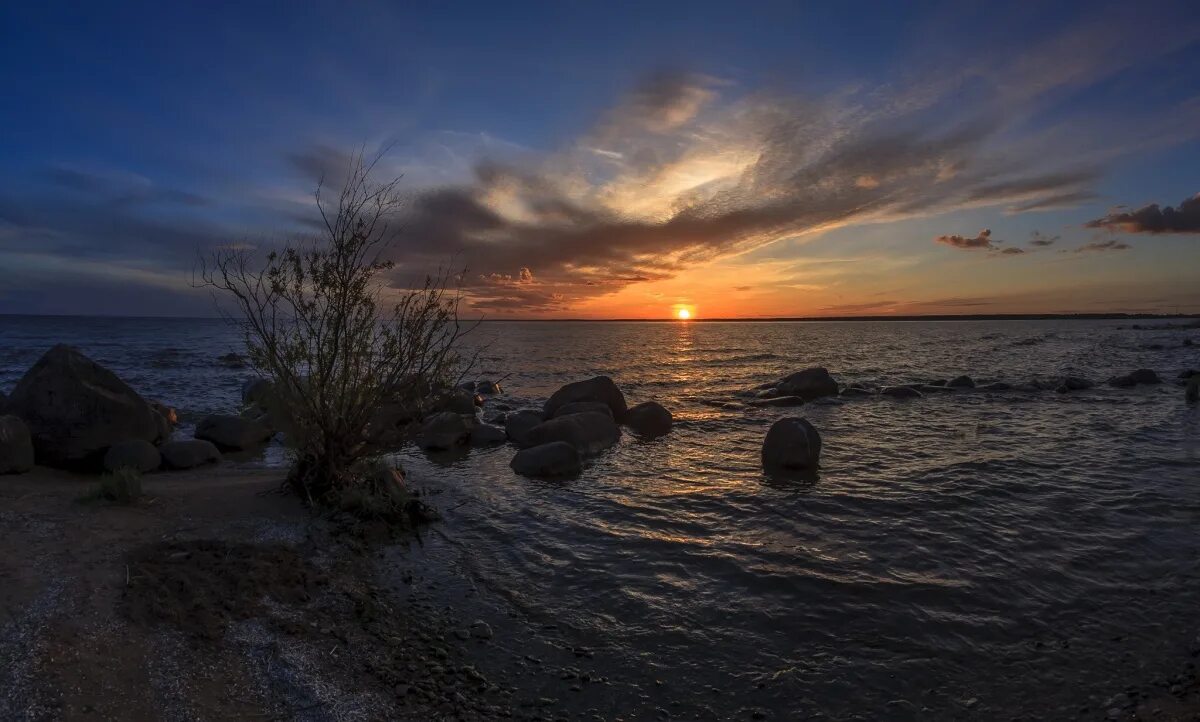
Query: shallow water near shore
x,y
973,554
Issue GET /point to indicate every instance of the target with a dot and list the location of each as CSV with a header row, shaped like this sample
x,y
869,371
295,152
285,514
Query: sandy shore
x,y
215,598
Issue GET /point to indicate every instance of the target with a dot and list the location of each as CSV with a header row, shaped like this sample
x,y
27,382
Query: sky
x,y
616,160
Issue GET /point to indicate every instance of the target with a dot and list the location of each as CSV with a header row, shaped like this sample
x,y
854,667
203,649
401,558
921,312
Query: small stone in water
x,y
481,630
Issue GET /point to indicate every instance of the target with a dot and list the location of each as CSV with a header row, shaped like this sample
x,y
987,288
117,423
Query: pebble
x,y
481,630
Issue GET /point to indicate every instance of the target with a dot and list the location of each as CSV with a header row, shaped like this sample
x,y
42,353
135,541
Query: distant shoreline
x,y
772,319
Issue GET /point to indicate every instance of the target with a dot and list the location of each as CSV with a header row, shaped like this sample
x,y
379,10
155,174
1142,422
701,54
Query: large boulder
x,y
518,424
188,453
589,432
445,430
16,446
579,407
459,401
1145,376
557,458
649,419
235,433
792,443
141,456
811,383
600,388
486,435
75,409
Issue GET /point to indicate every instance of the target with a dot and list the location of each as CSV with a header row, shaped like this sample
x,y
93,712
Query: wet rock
x,y
487,388
256,392
555,459
1073,383
961,382
16,446
234,433
995,386
900,392
497,418
518,424
792,443
1145,376
811,383
1192,392
855,392
767,393
579,407
649,419
589,432
933,388
599,388
481,630
487,435
75,409
458,401
445,430
188,454
779,401
136,454
232,360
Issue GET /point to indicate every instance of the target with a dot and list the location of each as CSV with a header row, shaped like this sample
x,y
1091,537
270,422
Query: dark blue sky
x,y
699,143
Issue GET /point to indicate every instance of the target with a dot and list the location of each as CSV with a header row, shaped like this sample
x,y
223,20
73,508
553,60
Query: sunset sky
x,y
618,160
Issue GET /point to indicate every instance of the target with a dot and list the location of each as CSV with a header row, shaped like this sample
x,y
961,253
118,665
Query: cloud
x,y
982,240
1103,246
1053,203
1153,219
1012,251
1041,240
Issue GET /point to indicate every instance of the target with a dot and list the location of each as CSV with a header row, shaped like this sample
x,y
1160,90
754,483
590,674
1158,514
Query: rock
x,y
486,435
995,386
1073,383
600,388
444,430
16,446
1187,342
518,424
933,388
811,383
961,382
767,393
232,432
855,391
649,419
232,360
901,392
487,388
75,409
481,630
136,454
791,443
558,458
779,401
1192,392
256,392
579,407
458,401
3,401
1145,376
1122,382
498,417
589,432
188,453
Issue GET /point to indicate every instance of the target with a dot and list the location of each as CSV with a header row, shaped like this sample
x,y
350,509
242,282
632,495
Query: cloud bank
x,y
1153,219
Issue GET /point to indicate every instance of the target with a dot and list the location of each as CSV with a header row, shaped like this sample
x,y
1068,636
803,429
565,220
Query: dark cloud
x,y
1103,246
981,240
1041,240
1012,251
1153,219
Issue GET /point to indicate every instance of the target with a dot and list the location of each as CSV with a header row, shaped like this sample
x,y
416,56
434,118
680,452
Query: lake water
x,y
965,555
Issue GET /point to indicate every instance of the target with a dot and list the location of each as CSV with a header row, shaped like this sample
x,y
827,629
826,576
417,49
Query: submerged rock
x,y
901,392
486,435
1192,392
444,430
792,443
518,424
141,456
590,432
232,432
188,453
557,458
933,388
75,409
995,386
1073,383
855,392
579,407
811,383
649,419
599,388
779,401
16,446
961,382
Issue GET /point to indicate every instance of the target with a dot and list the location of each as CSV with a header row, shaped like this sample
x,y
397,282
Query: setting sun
x,y
683,314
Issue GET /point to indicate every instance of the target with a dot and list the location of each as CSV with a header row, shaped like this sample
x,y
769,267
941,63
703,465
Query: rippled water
x,y
974,554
